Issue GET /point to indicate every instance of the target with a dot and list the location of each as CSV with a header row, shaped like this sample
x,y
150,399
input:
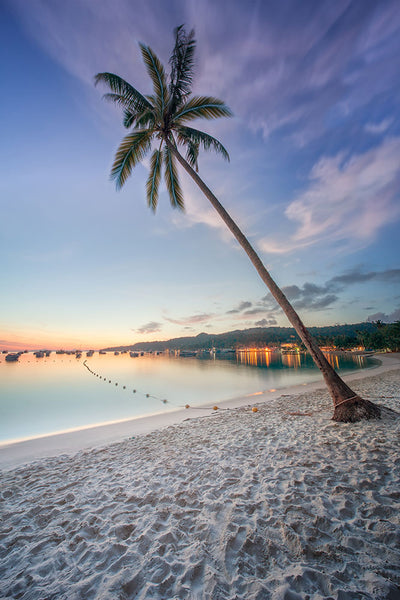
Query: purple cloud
x,y
266,322
199,318
151,327
386,318
240,308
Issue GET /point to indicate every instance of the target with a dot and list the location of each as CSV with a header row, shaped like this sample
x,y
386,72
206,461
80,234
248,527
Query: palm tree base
x,y
355,409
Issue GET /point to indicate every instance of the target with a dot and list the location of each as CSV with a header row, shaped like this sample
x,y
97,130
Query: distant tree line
x,y
386,336
383,336
372,336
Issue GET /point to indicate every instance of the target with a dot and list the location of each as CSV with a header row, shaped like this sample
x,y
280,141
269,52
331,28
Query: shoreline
x,y
278,504
16,453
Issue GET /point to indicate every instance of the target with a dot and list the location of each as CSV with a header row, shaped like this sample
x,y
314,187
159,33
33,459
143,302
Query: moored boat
x,y
12,357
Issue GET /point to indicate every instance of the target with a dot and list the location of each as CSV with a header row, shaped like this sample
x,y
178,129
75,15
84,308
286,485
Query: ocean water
x,y
41,396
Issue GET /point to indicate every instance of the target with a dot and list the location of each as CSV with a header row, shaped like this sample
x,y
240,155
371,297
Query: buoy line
x,y
124,387
163,400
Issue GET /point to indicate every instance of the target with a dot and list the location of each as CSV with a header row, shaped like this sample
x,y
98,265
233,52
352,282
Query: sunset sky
x,y
313,180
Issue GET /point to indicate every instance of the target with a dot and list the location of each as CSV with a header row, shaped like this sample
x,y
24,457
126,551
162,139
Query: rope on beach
x,y
370,398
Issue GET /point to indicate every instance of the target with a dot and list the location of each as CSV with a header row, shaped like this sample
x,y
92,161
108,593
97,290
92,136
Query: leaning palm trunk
x,y
348,406
163,118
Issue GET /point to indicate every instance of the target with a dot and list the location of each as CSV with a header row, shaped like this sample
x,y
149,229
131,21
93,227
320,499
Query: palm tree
x,y
161,120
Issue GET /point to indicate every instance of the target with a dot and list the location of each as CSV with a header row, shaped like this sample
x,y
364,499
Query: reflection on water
x,y
39,396
298,360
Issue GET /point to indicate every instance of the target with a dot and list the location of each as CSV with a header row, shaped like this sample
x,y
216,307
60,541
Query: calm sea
x,y
40,396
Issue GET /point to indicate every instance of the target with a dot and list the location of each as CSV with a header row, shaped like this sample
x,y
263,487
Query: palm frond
x,y
187,134
146,119
157,75
182,63
153,180
129,118
172,181
132,150
123,93
192,154
202,107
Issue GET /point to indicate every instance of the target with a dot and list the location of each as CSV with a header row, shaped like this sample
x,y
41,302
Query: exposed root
x,y
356,409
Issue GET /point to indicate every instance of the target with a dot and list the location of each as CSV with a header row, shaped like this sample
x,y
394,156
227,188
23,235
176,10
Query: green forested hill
x,y
342,335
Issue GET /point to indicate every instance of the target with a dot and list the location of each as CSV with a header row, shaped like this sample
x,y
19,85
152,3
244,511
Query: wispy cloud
x,y
286,68
348,199
302,75
257,310
358,275
151,327
266,323
313,297
240,308
308,297
386,318
378,128
70,32
191,320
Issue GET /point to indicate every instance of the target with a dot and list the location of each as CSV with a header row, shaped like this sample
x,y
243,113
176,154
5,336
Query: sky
x,y
313,178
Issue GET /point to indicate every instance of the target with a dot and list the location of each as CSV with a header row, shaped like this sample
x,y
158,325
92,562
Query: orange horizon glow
x,y
48,343
14,339
55,342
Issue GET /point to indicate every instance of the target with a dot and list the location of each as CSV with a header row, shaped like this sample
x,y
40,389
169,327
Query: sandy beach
x,y
232,504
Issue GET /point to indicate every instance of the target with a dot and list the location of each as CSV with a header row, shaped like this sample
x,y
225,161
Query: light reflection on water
x,y
46,395
266,358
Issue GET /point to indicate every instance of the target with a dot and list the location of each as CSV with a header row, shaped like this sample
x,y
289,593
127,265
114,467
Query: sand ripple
x,y
237,505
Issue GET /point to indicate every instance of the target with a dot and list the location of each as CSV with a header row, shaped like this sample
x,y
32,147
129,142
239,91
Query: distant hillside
x,y
255,337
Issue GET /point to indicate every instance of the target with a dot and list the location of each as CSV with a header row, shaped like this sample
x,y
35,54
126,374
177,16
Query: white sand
x,y
232,505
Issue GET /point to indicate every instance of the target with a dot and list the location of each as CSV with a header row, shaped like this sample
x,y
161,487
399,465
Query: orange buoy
x,y
215,407
254,409
187,405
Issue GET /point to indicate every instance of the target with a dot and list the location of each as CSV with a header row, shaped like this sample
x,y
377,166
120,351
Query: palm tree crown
x,y
162,118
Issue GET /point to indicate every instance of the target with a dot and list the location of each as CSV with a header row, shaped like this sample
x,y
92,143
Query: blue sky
x,y
313,179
